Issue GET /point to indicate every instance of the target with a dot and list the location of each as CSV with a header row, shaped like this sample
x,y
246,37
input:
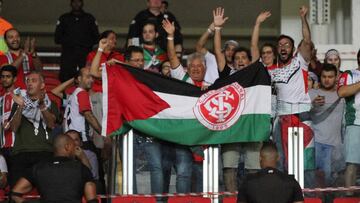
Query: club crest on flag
x,y
220,109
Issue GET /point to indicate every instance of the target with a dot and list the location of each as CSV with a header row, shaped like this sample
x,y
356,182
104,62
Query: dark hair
x,y
106,33
166,3
242,49
9,68
329,67
273,49
7,31
74,132
289,38
130,50
151,22
358,56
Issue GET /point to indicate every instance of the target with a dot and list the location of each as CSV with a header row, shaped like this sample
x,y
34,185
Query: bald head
x,y
64,146
268,155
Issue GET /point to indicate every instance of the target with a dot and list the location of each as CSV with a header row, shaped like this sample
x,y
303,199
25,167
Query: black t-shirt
x,y
77,30
60,180
270,186
225,72
136,26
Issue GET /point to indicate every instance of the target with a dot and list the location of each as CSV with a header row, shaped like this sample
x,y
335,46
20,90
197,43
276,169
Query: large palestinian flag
x,y
236,109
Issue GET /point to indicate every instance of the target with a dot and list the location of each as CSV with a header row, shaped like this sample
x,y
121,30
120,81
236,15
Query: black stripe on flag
x,y
254,74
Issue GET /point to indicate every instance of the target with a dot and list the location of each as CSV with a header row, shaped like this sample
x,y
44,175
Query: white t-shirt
x,y
212,72
291,85
180,74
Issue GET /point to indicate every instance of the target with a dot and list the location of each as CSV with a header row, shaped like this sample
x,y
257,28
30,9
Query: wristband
x,y
170,38
209,31
100,50
217,28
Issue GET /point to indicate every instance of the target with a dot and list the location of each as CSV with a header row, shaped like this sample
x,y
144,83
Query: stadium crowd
x,y
37,135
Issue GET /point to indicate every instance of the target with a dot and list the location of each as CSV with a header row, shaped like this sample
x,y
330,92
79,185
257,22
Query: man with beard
x,y
153,54
290,78
24,60
326,114
78,113
34,118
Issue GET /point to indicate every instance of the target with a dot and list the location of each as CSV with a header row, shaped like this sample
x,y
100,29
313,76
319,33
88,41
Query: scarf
x,y
32,112
25,64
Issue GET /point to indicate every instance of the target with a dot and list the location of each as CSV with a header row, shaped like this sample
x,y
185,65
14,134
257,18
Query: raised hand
x,y
303,11
219,18
168,27
18,99
32,45
27,45
263,16
103,43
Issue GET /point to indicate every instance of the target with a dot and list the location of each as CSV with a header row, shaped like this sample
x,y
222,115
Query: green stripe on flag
x,y
249,128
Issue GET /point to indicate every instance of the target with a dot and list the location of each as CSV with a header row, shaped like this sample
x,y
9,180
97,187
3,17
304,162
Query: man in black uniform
x,y
269,185
77,32
63,179
153,13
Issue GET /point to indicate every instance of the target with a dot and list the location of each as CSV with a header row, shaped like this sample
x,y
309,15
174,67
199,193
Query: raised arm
x,y
305,47
95,63
59,90
219,21
200,45
255,53
170,30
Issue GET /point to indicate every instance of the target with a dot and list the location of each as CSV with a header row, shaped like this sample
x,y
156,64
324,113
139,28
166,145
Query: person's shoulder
x,y
89,15
142,14
169,15
65,15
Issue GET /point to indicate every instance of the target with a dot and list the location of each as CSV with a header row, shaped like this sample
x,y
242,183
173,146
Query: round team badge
x,y
220,109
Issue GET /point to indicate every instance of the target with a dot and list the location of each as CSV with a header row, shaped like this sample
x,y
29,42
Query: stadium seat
x,y
347,200
133,200
312,200
229,199
189,199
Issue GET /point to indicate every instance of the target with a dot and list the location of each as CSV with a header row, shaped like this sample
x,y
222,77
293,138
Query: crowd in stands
x,y
307,93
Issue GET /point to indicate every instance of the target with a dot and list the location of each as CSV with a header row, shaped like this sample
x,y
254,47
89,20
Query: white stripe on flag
x,y
258,101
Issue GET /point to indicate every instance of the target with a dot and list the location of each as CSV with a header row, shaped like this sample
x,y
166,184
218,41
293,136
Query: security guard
x,y
77,32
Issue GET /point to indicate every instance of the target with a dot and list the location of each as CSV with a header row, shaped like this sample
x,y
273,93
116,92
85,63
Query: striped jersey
x,y
7,136
78,103
352,110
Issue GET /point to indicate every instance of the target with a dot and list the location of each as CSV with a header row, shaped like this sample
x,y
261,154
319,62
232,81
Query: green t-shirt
x,y
27,141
